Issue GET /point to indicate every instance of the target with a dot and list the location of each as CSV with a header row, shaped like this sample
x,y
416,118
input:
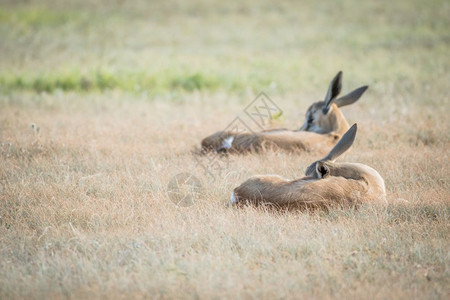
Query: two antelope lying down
x,y
323,127
326,183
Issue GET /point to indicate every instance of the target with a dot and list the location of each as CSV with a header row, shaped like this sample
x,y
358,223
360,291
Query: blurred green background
x,y
173,47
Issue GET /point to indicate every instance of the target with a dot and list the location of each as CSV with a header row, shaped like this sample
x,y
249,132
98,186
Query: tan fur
x,y
306,192
323,127
321,141
334,121
345,184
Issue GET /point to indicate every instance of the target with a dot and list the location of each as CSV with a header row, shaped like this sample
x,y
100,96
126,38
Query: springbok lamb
x,y
323,127
326,183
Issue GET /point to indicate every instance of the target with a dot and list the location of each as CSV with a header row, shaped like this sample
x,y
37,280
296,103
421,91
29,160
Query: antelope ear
x,y
344,143
304,126
311,169
333,91
351,97
322,170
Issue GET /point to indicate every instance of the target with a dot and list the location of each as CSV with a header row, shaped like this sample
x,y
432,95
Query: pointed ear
x,y
344,143
322,170
333,91
304,126
352,97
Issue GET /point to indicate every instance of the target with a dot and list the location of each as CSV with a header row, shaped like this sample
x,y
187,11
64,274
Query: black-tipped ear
x,y
322,170
344,143
351,97
333,91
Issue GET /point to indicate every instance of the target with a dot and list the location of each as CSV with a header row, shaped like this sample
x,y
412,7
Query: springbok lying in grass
x,y
323,127
327,183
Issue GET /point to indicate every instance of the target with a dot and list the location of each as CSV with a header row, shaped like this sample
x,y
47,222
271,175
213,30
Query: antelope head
x,y
327,166
324,116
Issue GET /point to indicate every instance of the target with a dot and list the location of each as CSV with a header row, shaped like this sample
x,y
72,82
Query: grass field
x,y
102,103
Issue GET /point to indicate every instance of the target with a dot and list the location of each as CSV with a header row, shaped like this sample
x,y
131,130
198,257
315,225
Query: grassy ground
x,y
102,103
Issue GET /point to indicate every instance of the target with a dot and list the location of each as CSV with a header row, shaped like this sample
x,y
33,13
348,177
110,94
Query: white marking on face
x,y
233,198
227,143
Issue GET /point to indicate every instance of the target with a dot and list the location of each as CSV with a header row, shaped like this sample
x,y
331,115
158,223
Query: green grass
x,y
36,18
104,80
160,47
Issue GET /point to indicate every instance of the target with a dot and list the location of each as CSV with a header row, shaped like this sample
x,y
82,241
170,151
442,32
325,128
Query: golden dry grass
x,y
85,211
84,206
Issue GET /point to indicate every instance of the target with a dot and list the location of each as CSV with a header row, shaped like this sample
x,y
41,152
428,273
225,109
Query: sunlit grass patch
x,y
37,17
105,80
163,81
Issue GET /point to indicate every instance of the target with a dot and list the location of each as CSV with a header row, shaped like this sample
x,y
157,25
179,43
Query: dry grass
x,y
84,209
